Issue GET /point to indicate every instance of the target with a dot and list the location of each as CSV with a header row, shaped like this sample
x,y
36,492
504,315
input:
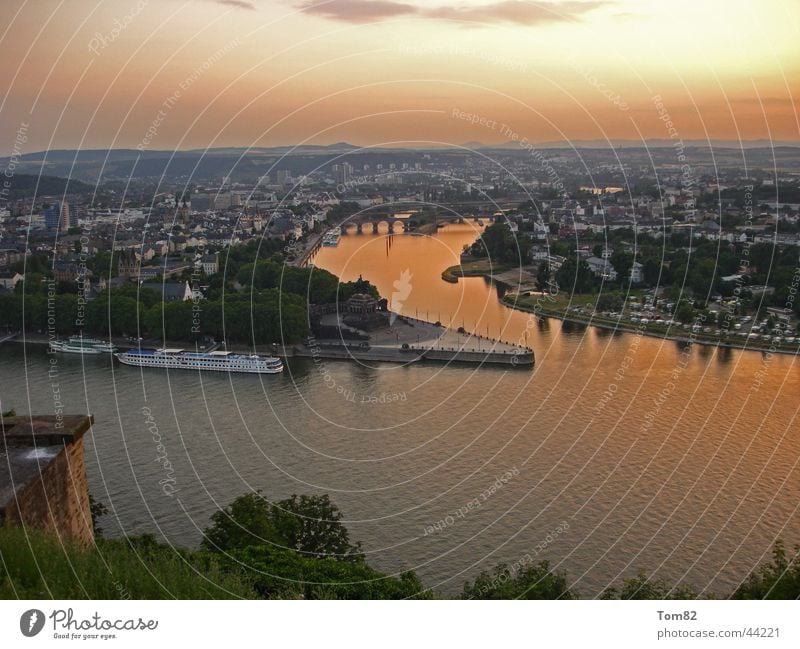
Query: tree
x,y
761,256
610,302
310,525
11,312
652,271
643,587
543,276
576,276
622,263
535,581
245,522
97,510
685,312
779,579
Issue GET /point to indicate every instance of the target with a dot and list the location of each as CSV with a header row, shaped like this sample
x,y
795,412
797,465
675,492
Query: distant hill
x,y
28,185
650,144
244,164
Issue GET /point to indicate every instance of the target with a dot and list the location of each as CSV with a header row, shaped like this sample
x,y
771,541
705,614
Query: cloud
x,y
519,12
239,4
357,11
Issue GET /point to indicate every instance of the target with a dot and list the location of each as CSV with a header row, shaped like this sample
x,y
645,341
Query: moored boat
x,y
219,361
81,345
331,239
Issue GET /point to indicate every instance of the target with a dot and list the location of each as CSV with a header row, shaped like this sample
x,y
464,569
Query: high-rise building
x,y
342,173
56,217
284,177
202,202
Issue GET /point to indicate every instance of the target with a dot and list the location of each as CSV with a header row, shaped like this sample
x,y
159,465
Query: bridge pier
x,y
374,227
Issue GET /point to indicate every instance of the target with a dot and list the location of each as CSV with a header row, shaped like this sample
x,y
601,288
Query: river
x,y
615,453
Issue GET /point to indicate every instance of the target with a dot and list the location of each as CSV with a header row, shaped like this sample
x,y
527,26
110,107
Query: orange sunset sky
x,y
198,73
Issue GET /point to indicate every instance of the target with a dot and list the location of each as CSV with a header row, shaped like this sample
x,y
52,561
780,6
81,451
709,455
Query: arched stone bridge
x,y
402,224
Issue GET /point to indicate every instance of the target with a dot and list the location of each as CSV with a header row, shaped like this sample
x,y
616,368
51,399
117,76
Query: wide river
x,y
616,453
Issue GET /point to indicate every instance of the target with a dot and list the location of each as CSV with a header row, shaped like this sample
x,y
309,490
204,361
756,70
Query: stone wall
x,y
48,486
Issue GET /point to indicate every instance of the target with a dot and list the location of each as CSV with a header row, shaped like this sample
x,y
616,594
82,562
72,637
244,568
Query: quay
x,y
408,340
405,341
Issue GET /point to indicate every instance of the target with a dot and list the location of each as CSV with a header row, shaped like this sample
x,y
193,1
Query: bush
x,y
779,579
532,582
287,574
643,587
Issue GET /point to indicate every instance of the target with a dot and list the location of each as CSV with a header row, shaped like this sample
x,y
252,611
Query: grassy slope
x,y
36,566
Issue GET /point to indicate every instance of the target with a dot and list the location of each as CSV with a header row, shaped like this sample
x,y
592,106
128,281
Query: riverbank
x,y
650,329
520,281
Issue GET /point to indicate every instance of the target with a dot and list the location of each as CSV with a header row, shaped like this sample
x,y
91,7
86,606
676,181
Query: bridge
x,y
406,223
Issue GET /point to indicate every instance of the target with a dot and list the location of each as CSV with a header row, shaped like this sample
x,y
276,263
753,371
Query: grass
x,y
34,565
561,302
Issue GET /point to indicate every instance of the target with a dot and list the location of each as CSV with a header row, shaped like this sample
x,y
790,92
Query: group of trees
x,y
575,276
261,316
317,286
310,525
502,246
251,301
268,316
298,547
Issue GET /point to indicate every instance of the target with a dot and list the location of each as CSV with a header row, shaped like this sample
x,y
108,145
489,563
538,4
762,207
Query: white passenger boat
x,y
81,345
178,359
331,238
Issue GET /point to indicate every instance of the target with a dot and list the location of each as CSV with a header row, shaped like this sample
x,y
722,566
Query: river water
x,y
615,453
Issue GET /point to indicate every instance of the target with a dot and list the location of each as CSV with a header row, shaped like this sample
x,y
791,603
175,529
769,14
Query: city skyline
x,y
205,73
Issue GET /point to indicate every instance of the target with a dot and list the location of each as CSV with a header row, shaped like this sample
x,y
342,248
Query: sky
x,y
181,74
